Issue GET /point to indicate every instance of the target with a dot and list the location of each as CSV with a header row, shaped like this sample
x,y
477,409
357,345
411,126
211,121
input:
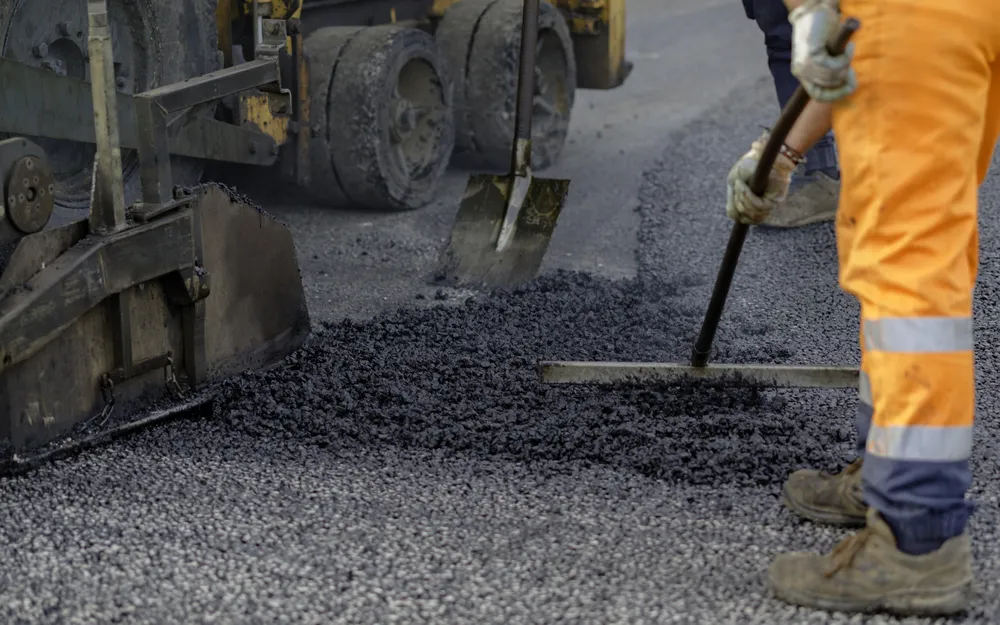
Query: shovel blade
x,y
471,257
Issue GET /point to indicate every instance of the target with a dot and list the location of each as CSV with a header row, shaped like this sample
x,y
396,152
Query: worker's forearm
x,y
814,122
791,5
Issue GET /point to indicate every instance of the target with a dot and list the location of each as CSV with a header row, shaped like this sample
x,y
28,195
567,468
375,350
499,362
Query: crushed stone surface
x,y
410,468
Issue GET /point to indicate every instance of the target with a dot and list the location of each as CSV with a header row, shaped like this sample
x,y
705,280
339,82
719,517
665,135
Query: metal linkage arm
x,y
153,107
107,202
39,103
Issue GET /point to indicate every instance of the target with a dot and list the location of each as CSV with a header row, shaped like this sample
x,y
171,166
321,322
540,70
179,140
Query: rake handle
x,y
521,158
758,184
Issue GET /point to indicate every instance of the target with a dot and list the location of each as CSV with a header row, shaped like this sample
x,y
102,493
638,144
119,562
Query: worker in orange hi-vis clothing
x,y
915,105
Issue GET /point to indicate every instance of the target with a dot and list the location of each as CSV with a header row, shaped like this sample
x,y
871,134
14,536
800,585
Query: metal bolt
x,y
41,49
65,29
120,82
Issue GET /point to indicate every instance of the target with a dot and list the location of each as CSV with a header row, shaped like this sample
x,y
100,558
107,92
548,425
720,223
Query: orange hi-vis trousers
x,y
916,140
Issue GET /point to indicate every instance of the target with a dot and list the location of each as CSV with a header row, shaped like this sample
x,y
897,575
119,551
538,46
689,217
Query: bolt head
x,y
120,82
65,28
41,49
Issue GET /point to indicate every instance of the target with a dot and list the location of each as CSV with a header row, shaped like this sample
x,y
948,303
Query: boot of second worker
x,y
812,197
830,499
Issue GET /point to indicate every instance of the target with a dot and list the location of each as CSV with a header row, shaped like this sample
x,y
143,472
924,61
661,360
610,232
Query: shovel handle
x,y
758,184
521,159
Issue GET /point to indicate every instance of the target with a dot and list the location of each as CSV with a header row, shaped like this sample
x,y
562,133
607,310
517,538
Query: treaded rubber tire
x,y
454,36
357,120
322,48
481,40
180,38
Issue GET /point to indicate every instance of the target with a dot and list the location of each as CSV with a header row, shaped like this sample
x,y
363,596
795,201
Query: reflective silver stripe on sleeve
x,y
865,389
921,442
918,334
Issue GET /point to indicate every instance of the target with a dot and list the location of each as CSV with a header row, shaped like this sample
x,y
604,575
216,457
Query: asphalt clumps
x,y
466,379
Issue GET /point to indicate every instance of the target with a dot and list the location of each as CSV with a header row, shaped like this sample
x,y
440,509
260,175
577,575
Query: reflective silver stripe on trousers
x,y
920,442
918,334
865,389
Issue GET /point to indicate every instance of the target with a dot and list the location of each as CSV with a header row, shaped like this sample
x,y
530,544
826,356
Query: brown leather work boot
x,y
831,499
812,198
867,573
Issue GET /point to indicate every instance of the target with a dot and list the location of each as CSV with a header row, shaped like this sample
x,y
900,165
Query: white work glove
x,y
741,204
825,78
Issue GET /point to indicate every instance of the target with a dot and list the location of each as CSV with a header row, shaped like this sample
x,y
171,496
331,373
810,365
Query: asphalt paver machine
x,y
129,306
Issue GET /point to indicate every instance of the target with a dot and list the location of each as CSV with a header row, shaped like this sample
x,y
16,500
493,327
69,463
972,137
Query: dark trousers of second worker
x,y
772,18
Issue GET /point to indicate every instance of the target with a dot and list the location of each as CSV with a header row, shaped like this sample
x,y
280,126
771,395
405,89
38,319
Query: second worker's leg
x,y
815,189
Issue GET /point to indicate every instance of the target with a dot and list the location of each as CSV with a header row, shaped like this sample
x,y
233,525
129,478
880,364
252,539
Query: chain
x,y
108,390
170,379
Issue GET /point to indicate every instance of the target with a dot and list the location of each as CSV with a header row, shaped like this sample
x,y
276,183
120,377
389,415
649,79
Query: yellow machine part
x,y
598,28
268,112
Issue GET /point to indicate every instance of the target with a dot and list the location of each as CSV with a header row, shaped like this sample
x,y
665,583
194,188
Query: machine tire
x,y
454,36
364,81
481,40
322,48
176,39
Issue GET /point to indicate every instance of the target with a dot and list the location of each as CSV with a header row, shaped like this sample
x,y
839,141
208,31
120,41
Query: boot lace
x,y
844,553
854,467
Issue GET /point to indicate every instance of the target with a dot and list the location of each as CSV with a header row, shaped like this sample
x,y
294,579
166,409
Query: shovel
x,y
505,223
756,375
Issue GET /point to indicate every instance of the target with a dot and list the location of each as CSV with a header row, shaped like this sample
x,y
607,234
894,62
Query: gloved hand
x,y
741,204
825,78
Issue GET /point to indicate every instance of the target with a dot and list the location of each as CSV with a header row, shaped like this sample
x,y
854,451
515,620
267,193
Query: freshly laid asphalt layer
x,y
411,468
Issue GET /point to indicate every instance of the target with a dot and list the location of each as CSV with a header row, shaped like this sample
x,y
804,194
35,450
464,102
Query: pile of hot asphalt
x,y
412,467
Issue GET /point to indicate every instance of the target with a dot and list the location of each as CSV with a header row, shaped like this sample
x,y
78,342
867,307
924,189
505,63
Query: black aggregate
x,y
411,468
466,380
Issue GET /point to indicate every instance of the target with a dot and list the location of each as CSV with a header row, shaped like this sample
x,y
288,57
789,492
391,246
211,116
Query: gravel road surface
x,y
407,466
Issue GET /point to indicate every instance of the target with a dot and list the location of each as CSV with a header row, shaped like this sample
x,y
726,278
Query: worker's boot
x,y
867,573
832,499
812,198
